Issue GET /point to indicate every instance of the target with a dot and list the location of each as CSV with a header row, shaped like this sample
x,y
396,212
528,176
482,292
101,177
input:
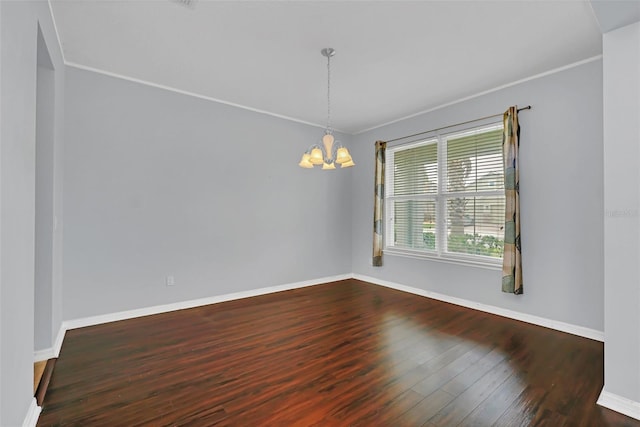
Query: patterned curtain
x,y
512,260
378,202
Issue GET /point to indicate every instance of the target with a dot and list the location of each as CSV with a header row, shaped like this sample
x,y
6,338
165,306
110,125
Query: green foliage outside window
x,y
476,244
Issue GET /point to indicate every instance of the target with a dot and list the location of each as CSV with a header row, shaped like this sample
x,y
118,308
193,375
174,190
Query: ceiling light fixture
x,y
331,151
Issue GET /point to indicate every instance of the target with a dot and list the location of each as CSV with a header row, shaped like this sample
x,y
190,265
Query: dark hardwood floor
x,y
341,354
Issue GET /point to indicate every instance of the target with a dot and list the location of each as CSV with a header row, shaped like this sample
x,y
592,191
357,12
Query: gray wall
x,y
158,183
622,204
19,23
561,183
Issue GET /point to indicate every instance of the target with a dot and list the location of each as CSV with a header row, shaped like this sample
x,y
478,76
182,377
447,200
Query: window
x,y
445,197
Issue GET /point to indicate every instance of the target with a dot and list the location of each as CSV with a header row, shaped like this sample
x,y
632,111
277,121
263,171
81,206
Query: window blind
x,y
445,195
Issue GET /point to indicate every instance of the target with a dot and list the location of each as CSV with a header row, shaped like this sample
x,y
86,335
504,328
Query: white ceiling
x,y
394,58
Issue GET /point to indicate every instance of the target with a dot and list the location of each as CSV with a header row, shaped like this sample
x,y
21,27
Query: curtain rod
x,y
528,107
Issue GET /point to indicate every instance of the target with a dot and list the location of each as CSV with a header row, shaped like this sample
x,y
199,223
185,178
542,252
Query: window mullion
x,y
441,204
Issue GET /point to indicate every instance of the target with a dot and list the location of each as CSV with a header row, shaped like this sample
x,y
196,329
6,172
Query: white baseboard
x,y
620,404
31,419
51,352
57,345
44,354
130,314
536,320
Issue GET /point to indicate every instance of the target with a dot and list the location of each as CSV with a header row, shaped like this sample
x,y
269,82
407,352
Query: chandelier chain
x,y
329,93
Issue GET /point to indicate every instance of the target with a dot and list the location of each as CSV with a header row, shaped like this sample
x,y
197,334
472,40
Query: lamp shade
x,y
327,166
305,163
316,156
348,164
343,156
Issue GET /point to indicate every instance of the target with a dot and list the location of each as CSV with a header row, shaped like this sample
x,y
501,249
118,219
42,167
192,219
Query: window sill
x,y
487,263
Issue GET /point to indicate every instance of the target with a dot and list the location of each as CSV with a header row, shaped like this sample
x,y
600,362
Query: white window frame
x,y
440,197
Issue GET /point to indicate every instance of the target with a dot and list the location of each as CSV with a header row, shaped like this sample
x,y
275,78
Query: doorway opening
x,y
44,207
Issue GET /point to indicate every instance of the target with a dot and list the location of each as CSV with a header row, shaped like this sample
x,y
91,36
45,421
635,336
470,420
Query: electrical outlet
x,y
171,281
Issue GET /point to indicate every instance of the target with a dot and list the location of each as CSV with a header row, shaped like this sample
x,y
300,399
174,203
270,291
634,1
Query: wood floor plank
x,y
448,372
492,408
338,354
465,379
524,409
460,407
425,410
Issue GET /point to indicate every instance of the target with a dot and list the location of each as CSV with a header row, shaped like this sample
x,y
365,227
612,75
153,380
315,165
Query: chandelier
x,y
330,151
